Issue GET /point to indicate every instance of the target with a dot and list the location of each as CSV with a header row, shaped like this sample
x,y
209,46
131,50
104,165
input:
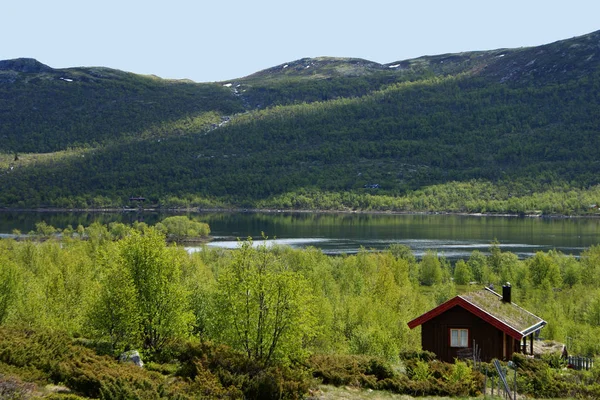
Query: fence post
x,y
485,383
515,395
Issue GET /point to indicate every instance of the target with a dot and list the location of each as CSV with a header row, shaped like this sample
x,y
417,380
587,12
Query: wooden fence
x,y
579,363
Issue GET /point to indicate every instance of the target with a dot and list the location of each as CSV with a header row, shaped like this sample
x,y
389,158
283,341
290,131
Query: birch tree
x,y
263,308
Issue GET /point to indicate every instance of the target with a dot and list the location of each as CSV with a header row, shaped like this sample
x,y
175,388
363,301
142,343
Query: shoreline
x,y
291,211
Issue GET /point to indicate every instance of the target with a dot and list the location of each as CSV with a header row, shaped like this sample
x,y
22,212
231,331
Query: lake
x,y
454,236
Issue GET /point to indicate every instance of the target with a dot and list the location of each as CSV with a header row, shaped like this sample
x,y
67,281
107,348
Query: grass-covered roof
x,y
508,313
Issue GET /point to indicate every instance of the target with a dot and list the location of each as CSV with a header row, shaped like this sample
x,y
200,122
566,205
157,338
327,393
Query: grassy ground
x,y
327,392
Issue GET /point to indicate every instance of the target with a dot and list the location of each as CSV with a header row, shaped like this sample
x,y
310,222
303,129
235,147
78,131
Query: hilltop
x,y
497,130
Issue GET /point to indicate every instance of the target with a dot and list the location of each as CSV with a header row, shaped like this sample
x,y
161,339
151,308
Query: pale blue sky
x,y
225,39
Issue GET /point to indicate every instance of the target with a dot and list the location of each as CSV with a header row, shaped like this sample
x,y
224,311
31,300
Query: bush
x,y
181,227
422,355
437,378
63,396
41,350
230,373
55,357
351,370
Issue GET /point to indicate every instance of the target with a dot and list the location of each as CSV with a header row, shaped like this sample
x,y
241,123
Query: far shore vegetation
x,y
473,197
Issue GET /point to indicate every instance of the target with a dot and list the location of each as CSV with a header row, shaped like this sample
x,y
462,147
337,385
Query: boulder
x,y
132,356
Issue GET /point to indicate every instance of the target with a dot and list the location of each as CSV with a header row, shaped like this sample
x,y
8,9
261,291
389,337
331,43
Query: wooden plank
x,y
503,378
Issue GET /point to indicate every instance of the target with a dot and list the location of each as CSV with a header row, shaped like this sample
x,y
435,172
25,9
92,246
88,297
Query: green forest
x,y
502,131
260,321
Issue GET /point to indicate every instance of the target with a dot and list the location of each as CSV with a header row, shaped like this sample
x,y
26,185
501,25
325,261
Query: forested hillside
x,y
509,130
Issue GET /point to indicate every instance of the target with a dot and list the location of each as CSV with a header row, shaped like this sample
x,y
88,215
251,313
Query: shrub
x,y
42,350
53,356
419,370
423,355
554,360
340,370
63,396
180,227
229,373
356,370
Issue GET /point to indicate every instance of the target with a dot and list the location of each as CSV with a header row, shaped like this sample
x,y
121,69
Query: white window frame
x,y
459,337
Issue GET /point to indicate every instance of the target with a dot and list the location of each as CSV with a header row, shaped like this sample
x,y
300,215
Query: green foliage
x,y
220,371
205,371
421,378
542,270
115,315
590,273
263,308
419,371
125,286
43,229
430,269
161,298
181,227
443,292
353,370
462,273
9,283
422,355
477,262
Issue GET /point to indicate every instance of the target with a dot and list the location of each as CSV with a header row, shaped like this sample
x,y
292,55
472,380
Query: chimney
x,y
506,293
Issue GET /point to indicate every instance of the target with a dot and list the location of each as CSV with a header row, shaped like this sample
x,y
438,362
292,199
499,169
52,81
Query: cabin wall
x,y
492,342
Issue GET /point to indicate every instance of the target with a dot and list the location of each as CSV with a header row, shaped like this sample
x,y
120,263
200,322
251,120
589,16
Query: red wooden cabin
x,y
483,318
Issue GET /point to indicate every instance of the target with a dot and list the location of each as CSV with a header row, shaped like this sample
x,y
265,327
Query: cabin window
x,y
459,338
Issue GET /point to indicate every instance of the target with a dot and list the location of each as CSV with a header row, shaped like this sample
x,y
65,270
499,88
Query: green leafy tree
x,y
431,269
443,291
509,267
592,311
66,276
404,252
162,300
43,229
462,273
115,314
495,258
264,309
590,261
544,269
181,227
571,271
478,263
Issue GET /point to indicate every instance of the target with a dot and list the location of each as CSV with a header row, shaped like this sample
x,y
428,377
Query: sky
x,y
220,40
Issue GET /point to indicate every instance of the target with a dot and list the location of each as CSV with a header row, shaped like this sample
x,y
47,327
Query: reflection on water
x,y
453,236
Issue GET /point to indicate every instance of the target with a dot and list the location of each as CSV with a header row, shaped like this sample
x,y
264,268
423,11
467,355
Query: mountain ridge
x,y
303,66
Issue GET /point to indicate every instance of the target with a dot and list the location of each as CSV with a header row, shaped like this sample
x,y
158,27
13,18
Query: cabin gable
x,y
482,324
436,336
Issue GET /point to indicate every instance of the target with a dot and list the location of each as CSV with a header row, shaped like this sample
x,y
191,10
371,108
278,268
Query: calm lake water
x,y
451,235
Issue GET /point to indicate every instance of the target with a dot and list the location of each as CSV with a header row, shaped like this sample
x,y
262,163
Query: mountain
x,y
44,109
319,132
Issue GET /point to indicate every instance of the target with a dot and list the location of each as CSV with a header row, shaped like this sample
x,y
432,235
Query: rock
x,y
28,65
132,356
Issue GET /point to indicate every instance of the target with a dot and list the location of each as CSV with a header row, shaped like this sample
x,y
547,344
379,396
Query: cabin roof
x,y
488,305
